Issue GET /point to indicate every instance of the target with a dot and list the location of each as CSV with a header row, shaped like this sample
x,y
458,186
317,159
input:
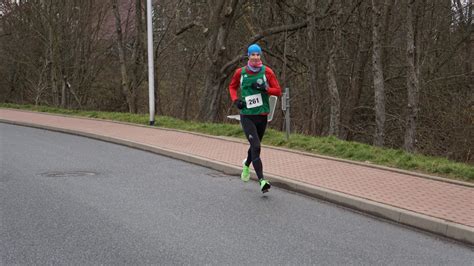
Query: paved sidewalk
x,y
440,207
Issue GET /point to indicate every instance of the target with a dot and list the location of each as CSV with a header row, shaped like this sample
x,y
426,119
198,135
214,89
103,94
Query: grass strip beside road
x,y
328,146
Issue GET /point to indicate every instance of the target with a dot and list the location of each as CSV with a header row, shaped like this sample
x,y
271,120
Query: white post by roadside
x,y
151,68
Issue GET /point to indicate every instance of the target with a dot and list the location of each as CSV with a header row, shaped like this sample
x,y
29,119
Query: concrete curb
x,y
438,226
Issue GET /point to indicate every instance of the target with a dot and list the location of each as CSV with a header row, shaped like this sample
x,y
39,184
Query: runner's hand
x,y
239,104
260,85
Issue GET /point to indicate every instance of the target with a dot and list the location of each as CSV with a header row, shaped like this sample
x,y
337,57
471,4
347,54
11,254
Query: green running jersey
x,y
256,101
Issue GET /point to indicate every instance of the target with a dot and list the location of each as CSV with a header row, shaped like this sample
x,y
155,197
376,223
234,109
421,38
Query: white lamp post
x,y
151,68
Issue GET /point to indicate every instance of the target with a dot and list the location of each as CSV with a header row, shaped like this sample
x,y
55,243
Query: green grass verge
x,y
329,146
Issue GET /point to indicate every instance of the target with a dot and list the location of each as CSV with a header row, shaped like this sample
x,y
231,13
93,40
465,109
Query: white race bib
x,y
253,101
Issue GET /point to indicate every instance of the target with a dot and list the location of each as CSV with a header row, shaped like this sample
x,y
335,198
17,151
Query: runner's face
x,y
254,57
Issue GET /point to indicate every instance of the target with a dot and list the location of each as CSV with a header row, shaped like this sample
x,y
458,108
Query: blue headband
x,y
254,48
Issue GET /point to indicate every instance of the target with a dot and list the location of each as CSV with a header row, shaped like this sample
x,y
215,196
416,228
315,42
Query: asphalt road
x,y
71,200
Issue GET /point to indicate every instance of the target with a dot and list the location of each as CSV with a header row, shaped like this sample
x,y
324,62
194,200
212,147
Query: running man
x,y
256,82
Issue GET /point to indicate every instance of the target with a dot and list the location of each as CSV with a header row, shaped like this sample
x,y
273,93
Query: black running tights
x,y
254,127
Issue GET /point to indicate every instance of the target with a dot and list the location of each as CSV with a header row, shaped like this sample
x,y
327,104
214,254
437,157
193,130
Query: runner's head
x,y
254,53
254,50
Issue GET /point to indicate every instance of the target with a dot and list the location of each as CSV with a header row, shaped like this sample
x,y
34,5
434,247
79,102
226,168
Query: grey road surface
x,y
71,200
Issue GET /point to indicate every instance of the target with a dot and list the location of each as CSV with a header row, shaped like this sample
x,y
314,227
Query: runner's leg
x,y
250,130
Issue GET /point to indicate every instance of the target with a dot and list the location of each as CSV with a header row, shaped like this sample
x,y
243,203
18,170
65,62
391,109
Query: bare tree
x,y
314,92
221,20
121,53
378,77
332,72
132,74
464,12
190,65
412,80
360,59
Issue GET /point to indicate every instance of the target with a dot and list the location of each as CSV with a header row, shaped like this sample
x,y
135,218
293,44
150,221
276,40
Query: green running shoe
x,y
245,176
264,185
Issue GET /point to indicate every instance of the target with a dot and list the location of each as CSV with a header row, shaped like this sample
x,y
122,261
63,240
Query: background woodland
x,y
392,73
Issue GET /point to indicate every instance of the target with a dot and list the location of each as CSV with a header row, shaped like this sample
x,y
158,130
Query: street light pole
x,y
151,68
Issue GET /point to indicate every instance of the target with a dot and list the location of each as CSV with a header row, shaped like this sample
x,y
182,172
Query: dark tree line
x,y
393,73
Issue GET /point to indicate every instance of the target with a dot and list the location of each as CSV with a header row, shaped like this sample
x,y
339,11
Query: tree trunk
x,y
378,76
63,93
193,59
213,95
466,22
468,44
184,102
412,81
53,63
352,97
334,94
138,55
221,20
331,76
123,67
314,93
